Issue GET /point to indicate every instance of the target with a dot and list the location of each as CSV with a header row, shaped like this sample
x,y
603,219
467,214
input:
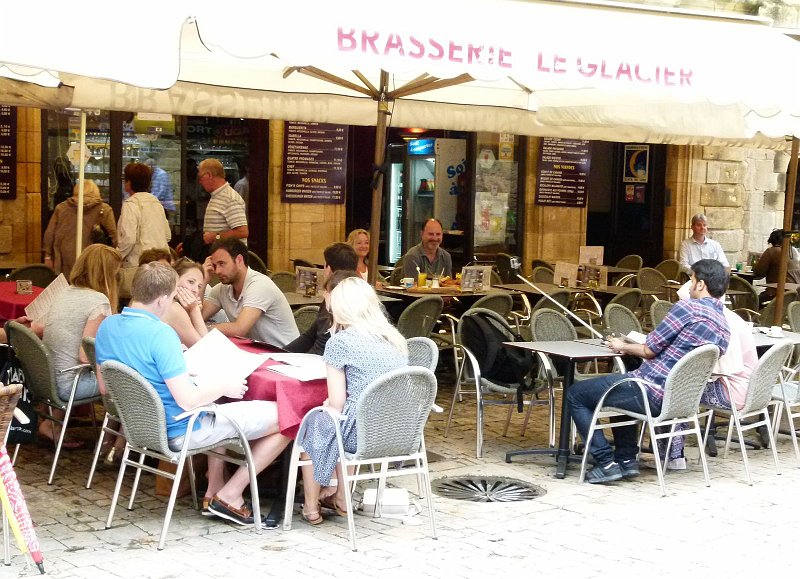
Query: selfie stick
x,y
566,310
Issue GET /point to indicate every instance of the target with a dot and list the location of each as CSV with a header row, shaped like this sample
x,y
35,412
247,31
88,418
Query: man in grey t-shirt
x,y
254,304
428,257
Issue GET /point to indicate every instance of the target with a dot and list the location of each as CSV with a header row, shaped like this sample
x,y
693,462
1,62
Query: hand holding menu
x,y
215,359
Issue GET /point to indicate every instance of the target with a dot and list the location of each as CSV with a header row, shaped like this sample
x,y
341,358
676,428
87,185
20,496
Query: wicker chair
x,y
419,318
469,375
541,263
542,275
111,413
631,261
747,301
670,268
142,414
682,392
787,394
390,422
619,319
254,262
423,352
658,311
629,298
285,280
652,280
305,317
40,381
500,303
766,316
757,402
40,274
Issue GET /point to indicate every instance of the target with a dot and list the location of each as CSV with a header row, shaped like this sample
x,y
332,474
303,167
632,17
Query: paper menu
x,y
565,274
591,254
215,358
38,308
303,367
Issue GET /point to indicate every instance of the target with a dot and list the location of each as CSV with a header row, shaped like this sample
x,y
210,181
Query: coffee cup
x,y
776,331
407,282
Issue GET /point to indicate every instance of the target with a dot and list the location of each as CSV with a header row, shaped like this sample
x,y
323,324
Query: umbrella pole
x,y
788,214
81,177
377,188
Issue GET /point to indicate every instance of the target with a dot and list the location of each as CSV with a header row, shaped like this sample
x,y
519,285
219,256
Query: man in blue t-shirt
x,y
139,339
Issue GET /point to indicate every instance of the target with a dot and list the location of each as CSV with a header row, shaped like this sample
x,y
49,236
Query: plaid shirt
x,y
689,324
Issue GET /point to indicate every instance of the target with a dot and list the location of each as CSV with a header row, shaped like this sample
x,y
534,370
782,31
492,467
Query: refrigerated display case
x,y
394,203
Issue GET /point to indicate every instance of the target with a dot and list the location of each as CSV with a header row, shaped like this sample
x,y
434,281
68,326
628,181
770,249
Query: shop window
x,y
496,193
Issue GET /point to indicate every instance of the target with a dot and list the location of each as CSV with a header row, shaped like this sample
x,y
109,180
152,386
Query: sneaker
x,y
672,464
604,474
630,468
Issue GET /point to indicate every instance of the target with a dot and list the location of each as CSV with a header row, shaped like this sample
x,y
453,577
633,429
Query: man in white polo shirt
x,y
698,246
226,214
254,304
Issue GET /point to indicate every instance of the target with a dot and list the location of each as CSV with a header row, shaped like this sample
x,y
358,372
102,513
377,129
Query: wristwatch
x,y
218,236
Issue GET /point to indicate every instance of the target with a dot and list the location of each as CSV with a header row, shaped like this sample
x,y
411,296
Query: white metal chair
x,y
390,421
759,399
787,394
682,391
142,414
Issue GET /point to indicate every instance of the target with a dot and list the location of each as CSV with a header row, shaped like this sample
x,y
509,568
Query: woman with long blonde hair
x,y
185,314
363,346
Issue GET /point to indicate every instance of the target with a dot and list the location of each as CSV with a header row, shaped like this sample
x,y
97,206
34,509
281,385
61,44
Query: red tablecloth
x,y
294,398
12,304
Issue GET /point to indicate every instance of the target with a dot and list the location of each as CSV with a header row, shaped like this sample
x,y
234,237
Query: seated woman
x,y
75,314
363,346
769,264
185,313
359,240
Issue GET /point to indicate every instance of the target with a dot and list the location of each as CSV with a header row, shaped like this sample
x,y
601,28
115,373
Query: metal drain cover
x,y
486,489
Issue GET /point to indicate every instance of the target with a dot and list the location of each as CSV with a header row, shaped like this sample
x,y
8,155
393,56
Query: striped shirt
x,y
688,324
225,211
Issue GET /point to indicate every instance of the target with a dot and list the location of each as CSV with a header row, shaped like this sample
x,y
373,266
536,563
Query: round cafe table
x,y
12,304
294,398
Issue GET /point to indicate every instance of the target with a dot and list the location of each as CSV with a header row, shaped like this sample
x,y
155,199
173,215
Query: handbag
x,y
99,234
12,373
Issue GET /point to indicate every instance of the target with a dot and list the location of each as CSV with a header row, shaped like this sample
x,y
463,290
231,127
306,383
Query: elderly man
x,y
226,215
338,257
428,257
139,339
254,304
688,325
698,246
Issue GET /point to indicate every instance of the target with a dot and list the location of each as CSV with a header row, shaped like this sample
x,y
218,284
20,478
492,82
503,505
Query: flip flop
x,y
330,503
313,518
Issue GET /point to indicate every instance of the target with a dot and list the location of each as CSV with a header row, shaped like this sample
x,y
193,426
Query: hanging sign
x,y
8,152
315,163
563,172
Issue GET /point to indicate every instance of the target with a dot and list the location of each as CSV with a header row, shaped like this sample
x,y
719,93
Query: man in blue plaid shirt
x,y
689,324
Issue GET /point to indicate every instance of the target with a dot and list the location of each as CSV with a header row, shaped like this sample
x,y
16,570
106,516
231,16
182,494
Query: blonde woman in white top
x,y
359,240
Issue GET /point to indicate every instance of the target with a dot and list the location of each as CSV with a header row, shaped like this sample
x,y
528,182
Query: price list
x,y
315,163
563,172
8,152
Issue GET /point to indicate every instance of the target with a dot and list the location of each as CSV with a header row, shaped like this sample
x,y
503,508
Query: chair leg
x,y
426,476
14,458
479,434
118,486
790,420
173,495
657,458
193,483
508,418
348,498
291,485
97,448
701,446
135,486
772,442
61,436
743,448
456,397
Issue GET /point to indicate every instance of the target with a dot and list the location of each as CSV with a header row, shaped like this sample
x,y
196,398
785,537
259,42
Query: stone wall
x,y
741,190
296,230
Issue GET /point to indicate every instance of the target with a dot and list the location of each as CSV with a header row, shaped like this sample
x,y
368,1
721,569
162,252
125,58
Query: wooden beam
x,y
788,213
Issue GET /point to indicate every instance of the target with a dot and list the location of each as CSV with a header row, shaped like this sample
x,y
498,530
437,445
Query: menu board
x,y
8,152
315,163
563,172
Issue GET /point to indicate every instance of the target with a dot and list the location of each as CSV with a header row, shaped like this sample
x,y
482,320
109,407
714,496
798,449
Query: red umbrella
x,y
18,509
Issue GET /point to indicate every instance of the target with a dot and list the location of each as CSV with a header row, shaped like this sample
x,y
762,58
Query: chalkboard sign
x,y
8,152
563,172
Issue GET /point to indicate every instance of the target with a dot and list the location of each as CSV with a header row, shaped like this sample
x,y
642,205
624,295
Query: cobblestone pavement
x,y
577,530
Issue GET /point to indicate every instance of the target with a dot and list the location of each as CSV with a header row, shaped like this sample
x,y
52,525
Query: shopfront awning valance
x,y
537,68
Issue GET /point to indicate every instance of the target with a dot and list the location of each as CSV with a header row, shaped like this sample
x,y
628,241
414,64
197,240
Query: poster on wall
x,y
634,194
315,163
563,171
491,214
8,152
637,164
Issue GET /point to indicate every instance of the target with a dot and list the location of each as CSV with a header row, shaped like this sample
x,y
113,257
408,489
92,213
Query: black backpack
x,y
483,333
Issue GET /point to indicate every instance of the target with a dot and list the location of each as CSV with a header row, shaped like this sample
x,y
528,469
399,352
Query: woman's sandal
x,y
330,503
313,518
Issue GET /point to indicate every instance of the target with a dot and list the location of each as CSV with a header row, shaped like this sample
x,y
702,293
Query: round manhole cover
x,y
486,489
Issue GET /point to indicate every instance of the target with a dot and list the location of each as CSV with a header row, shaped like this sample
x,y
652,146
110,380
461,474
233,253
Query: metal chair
x,y
285,280
766,316
423,352
630,261
111,412
469,373
142,414
747,301
305,317
419,318
541,263
40,377
619,319
682,392
254,262
757,402
629,298
787,394
542,275
671,269
499,303
390,421
40,274
652,280
658,311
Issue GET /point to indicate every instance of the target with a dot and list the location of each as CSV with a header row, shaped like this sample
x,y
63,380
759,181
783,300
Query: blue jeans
x,y
583,397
